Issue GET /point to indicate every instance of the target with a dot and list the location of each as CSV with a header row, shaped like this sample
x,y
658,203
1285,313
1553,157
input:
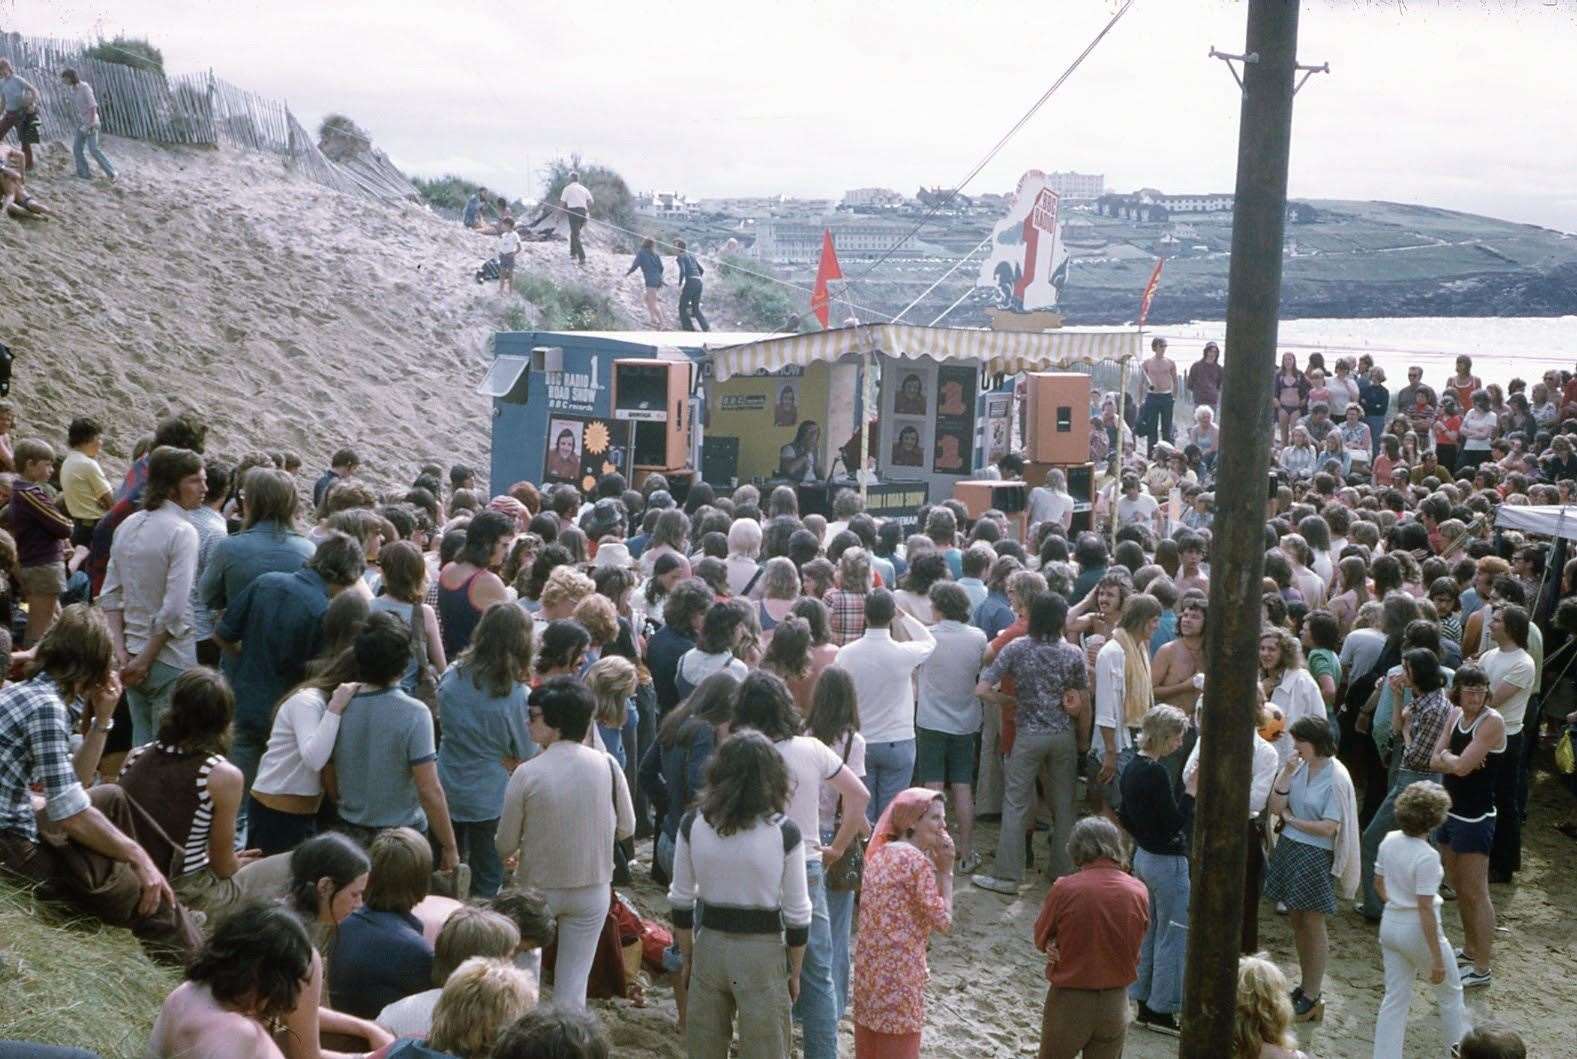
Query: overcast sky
x,y
1462,105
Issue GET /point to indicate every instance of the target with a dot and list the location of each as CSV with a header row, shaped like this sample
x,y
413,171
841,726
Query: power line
x,y
1001,143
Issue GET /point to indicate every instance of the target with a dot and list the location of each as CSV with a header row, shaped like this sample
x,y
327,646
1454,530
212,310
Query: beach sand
x,y
289,315
987,987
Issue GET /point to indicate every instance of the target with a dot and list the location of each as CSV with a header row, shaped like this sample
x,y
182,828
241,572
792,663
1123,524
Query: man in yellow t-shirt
x,y
86,490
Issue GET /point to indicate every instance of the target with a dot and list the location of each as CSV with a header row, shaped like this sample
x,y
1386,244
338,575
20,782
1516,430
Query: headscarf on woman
x,y
900,816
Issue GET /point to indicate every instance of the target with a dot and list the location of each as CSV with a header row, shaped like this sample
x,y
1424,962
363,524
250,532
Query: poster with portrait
x,y
562,461
910,398
582,449
785,408
908,449
955,419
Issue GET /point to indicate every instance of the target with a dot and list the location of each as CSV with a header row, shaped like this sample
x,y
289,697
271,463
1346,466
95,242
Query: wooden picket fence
x,y
190,109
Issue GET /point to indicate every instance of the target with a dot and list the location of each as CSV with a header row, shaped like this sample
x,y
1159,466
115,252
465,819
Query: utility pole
x,y
1237,558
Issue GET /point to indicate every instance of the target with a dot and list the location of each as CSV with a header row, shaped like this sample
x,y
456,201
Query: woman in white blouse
x,y
1288,683
1300,459
282,811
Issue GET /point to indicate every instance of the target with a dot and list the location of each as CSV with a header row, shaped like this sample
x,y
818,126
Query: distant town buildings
x,y
664,204
872,198
1078,186
793,241
1149,204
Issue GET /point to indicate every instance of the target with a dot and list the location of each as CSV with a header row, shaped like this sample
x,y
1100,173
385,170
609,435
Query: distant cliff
x,y
1346,259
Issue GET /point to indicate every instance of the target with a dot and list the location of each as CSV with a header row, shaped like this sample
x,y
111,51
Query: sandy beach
x,y
987,988
290,315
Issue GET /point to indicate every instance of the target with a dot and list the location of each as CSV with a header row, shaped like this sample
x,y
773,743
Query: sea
x,y
1502,347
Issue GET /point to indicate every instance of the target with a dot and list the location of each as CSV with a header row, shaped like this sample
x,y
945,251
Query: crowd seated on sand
x,y
374,776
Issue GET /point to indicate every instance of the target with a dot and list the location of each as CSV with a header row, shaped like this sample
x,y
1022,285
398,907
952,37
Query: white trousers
x,y
580,911
1406,955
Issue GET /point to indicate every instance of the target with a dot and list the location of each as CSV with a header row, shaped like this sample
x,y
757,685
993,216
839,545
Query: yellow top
x,y
82,482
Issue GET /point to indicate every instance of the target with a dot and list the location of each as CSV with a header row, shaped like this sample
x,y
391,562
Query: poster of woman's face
x,y
563,460
785,413
910,400
906,448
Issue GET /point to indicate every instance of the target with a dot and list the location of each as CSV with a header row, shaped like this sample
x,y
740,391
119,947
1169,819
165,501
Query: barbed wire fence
x,y
200,110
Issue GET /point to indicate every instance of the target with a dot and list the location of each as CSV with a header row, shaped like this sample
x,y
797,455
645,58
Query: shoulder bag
x,y
845,873
426,690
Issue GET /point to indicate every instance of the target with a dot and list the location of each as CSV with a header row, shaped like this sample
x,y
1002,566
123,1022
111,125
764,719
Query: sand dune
x,y
291,315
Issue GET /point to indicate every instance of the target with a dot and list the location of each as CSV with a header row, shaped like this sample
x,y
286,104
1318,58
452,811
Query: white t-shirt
x,y
509,242
1299,696
855,764
1110,686
1515,667
1047,506
1478,423
575,196
811,763
411,1016
1410,866
1140,509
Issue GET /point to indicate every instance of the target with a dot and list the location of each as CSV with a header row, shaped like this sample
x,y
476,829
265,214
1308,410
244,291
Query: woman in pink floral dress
x,y
906,893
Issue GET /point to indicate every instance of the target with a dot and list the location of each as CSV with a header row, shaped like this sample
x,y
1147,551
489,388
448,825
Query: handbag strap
x,y
848,746
419,635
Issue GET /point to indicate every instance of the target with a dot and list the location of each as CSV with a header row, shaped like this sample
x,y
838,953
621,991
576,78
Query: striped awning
x,y
998,351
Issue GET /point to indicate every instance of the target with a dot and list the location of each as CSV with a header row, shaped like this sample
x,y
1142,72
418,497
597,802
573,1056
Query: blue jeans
x,y
840,914
90,141
1159,986
475,840
888,769
149,700
817,1006
1384,823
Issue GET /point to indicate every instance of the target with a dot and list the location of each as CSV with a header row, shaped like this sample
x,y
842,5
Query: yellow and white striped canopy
x,y
998,351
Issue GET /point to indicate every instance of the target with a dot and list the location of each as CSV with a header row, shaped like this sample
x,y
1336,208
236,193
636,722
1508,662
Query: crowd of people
x,y
371,773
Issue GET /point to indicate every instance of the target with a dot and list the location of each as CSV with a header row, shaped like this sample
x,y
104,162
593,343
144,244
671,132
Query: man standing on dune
x,y
87,139
577,201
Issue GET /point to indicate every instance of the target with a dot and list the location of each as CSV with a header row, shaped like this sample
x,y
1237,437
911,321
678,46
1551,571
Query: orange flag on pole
x,y
827,271
1149,290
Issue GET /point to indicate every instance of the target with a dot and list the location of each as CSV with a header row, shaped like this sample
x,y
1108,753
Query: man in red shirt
x,y
1090,928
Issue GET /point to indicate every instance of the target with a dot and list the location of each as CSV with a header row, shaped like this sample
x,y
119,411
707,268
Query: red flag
x,y
827,271
1149,290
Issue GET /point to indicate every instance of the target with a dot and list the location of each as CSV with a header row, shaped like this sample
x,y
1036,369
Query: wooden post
x,y
1238,548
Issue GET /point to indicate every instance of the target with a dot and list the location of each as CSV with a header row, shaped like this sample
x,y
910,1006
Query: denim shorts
x,y
943,757
1467,836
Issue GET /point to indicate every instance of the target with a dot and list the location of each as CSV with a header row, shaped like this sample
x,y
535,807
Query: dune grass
x,y
73,981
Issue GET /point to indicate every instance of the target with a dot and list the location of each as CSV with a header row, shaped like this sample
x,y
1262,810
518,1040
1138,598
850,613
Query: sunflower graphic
x,y
596,438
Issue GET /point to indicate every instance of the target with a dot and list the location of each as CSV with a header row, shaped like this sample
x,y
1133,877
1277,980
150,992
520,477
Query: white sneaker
x,y
1462,958
995,885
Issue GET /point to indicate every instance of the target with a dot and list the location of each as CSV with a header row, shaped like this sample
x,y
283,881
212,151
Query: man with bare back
x,y
1160,394
1177,673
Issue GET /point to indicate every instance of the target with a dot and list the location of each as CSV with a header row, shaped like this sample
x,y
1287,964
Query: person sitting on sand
x,y
470,932
258,976
14,199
